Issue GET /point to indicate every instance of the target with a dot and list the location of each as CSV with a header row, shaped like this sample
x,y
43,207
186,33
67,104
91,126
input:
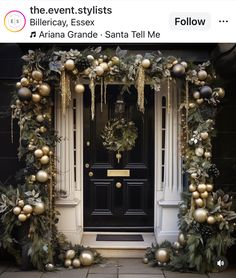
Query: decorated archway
x,y
205,219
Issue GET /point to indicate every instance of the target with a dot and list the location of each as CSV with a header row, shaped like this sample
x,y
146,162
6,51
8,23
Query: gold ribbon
x,y
92,90
140,83
168,94
65,91
186,107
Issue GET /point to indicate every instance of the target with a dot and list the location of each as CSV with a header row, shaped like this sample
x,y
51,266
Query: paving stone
x,y
141,276
228,273
110,266
68,273
172,274
94,275
3,268
133,266
21,274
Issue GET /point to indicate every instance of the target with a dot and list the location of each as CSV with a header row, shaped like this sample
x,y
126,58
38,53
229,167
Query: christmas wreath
x,y
119,135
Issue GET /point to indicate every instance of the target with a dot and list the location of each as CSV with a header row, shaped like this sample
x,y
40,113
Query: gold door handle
x,y
118,185
90,174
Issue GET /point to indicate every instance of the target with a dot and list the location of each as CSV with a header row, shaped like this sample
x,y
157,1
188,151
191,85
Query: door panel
x,y
108,206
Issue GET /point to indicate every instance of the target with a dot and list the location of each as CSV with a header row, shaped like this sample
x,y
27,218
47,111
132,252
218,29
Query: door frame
x,y
166,193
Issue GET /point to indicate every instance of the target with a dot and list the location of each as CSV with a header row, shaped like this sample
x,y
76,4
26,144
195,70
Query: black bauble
x,y
206,92
178,70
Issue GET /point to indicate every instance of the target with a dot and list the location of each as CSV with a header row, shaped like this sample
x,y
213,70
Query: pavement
x,y
112,268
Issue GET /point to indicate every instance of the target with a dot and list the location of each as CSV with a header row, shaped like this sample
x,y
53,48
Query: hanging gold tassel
x,y
186,107
65,91
101,94
68,91
12,130
105,92
140,83
168,94
92,90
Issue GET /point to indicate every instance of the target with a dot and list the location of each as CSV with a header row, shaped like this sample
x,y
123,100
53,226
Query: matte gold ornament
x,y
182,239
183,63
202,75
43,129
21,203
70,254
199,202
42,176
24,82
38,153
211,220
49,267
204,135
36,98
200,101
199,151
204,195
196,95
146,63
22,217
44,159
39,208
70,64
104,65
24,94
162,255
76,263
201,187
45,149
79,88
44,90
37,75
86,258
178,70
67,263
192,188
100,60
18,85
87,71
220,92
207,154
191,105
28,215
115,60
17,210
40,118
99,70
195,194
90,58
209,187
27,209
219,217
200,215
194,175
176,245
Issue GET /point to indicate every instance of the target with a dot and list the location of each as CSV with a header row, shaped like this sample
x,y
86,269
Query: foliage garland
x,y
63,72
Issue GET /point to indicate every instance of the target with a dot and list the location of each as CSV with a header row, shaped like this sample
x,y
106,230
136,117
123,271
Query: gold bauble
x,y
21,203
37,75
45,149
99,70
146,63
192,188
194,175
44,159
204,195
176,245
44,90
199,151
27,209
86,258
24,81
219,217
67,263
100,60
17,210
39,208
76,263
209,187
42,176
115,60
207,154
202,75
70,64
24,94
183,63
199,202
104,65
40,118
43,129
28,215
49,267
220,92
201,187
200,215
196,95
18,85
162,255
191,105
22,217
70,254
79,88
195,194
211,220
182,239
145,260
87,71
200,101
38,153
90,58
204,135
36,98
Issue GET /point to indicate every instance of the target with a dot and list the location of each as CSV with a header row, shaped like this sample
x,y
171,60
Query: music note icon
x,y
33,34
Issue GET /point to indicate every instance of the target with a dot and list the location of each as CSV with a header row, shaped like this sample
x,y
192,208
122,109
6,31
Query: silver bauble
x,y
39,208
86,258
38,153
24,94
79,88
76,263
145,260
40,118
42,176
162,255
69,64
200,215
202,75
70,254
44,90
146,63
37,75
182,239
176,245
196,95
178,70
90,58
183,63
49,267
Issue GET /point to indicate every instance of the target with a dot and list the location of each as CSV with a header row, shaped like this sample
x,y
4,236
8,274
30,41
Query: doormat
x,y
102,237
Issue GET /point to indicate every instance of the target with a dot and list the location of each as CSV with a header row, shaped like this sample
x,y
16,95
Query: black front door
x,y
121,203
